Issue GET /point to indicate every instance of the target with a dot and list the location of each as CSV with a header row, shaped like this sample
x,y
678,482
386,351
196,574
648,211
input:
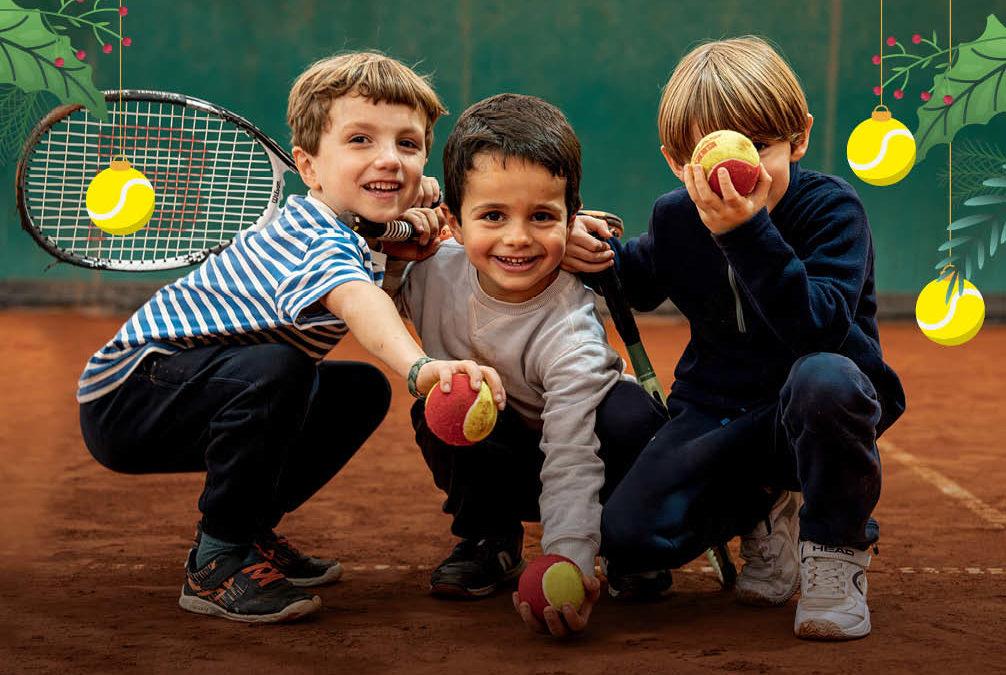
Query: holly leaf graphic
x,y
977,82
28,53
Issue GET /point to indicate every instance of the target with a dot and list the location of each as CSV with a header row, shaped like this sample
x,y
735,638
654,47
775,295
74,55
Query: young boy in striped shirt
x,y
222,370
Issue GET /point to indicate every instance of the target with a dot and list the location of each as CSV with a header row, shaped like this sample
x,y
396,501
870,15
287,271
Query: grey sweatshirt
x,y
556,366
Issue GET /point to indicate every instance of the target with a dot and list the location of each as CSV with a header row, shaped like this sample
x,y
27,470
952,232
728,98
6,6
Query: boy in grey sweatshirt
x,y
575,422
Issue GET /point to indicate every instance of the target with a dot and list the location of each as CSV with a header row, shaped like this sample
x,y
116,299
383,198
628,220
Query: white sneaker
x,y
832,593
771,572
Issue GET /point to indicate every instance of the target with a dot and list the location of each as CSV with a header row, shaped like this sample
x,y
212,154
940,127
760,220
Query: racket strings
x,y
211,180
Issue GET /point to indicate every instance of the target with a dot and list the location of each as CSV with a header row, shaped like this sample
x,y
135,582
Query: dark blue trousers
x,y
495,484
709,475
266,423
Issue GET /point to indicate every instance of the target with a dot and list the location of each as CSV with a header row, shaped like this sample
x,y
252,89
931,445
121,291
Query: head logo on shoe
x,y
818,548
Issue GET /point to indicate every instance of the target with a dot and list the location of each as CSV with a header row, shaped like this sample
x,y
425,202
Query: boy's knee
x,y
628,408
825,382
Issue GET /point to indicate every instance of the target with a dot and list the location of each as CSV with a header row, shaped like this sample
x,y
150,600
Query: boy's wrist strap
x,y
414,374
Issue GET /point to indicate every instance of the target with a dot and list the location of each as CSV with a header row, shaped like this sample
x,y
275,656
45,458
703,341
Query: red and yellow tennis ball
x,y
461,416
732,151
120,200
551,581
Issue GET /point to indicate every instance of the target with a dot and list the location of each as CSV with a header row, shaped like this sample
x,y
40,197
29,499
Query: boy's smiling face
x,y
513,225
370,159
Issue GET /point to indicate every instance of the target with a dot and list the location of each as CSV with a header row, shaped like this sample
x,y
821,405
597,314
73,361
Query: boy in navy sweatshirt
x,y
782,387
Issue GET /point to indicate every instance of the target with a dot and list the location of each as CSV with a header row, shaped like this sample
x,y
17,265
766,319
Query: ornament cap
x,y
881,114
120,163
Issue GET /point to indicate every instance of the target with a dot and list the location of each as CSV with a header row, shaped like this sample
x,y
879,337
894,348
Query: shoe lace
x,y
264,573
824,577
276,546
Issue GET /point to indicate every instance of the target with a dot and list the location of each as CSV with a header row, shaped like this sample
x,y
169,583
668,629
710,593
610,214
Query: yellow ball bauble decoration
x,y
120,200
881,150
949,323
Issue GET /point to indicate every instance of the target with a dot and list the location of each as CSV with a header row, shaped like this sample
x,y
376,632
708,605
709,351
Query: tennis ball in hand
x,y
734,152
551,581
460,416
120,199
953,323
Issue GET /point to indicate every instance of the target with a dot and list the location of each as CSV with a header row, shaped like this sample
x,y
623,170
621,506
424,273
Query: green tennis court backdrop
x,y
603,62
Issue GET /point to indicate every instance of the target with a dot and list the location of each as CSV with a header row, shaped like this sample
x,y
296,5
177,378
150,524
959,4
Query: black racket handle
x,y
395,230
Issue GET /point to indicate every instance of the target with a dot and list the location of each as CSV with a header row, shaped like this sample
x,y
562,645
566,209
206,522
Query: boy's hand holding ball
x,y
554,597
726,180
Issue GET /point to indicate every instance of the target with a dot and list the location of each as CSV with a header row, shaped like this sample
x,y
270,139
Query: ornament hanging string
x,y
122,116
950,145
880,61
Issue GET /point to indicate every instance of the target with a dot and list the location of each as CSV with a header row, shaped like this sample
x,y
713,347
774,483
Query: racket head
x,y
214,174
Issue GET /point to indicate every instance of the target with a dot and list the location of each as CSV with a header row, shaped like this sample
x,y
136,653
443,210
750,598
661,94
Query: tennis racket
x,y
214,174
609,286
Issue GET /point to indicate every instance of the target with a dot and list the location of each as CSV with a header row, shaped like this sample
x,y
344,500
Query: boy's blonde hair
x,y
372,75
741,84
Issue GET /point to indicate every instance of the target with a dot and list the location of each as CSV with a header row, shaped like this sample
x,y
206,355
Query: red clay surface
x,y
91,560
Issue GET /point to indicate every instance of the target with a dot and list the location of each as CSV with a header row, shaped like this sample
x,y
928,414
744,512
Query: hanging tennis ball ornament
x,y
120,199
949,323
881,150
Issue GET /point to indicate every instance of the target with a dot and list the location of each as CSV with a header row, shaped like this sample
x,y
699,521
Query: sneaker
x,y
477,567
832,593
299,569
641,586
243,588
771,572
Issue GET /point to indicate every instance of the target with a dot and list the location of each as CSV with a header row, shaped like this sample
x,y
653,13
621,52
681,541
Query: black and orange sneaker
x,y
243,587
300,569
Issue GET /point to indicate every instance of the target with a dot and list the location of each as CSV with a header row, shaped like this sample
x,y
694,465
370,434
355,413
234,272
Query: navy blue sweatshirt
x,y
782,285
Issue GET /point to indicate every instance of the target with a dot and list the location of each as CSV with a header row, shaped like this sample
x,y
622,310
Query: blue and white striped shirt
x,y
255,291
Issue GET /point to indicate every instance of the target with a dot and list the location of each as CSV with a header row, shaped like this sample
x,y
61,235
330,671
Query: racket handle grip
x,y
396,230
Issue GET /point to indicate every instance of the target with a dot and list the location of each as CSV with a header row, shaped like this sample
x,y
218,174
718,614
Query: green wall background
x,y
603,62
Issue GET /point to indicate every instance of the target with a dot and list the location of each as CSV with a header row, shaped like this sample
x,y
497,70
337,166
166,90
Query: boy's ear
x,y
676,168
455,226
305,167
797,152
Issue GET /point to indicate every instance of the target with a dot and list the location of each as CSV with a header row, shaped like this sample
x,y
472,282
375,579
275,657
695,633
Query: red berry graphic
x,y
891,41
899,94
876,91
126,41
123,11
59,62
916,39
876,59
81,55
948,99
925,96
107,48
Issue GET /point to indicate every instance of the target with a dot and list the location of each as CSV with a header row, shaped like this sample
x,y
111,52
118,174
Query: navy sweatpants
x,y
266,423
495,484
709,475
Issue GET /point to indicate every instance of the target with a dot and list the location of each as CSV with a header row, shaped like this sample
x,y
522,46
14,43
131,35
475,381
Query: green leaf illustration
x,y
977,83
28,53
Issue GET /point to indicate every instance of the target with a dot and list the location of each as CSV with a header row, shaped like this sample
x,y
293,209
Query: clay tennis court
x,y
92,560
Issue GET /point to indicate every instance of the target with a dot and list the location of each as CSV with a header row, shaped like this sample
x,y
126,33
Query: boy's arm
x,y
373,319
807,299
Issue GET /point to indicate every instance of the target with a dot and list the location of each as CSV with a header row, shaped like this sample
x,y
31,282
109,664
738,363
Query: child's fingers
x,y
706,197
689,180
731,197
595,225
495,383
554,622
529,619
760,194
